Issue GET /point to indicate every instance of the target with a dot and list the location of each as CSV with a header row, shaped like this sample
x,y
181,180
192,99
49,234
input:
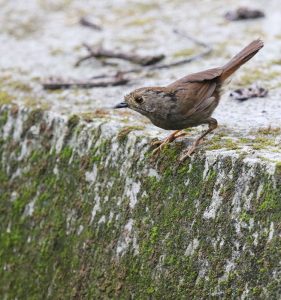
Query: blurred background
x,y
42,41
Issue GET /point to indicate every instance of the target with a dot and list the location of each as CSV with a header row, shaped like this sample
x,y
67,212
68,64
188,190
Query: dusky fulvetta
x,y
187,102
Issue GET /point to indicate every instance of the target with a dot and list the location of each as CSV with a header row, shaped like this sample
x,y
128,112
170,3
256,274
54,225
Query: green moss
x,y
98,113
270,201
34,117
20,86
244,140
145,7
5,98
250,77
184,52
96,158
62,249
220,143
275,62
221,49
72,124
56,51
24,27
230,144
66,153
3,118
274,131
262,142
278,168
245,217
264,138
31,102
126,130
54,6
140,21
73,121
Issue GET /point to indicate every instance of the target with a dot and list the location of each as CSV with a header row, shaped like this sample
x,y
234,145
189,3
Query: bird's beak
x,y
121,105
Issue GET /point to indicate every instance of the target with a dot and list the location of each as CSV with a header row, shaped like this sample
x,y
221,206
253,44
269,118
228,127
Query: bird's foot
x,y
161,146
166,141
188,152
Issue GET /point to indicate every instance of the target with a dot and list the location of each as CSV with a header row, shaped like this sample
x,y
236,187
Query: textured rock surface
x,y
87,214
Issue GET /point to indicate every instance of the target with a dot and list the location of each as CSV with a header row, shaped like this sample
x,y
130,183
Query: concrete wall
x,y
87,213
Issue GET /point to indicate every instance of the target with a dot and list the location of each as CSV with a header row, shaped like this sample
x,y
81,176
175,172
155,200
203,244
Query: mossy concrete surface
x,y
87,213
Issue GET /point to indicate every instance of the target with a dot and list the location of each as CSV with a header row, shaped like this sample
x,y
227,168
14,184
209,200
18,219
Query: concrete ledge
x,y
87,214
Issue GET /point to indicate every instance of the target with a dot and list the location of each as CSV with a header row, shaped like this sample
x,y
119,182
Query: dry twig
x,y
117,78
86,22
134,58
60,83
208,50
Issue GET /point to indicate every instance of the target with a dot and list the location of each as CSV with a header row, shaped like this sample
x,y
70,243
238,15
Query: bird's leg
x,y
169,139
213,124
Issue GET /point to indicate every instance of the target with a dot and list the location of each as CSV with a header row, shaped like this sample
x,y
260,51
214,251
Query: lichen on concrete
x,y
89,215
86,211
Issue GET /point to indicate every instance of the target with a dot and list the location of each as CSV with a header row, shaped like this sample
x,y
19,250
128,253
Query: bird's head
x,y
145,100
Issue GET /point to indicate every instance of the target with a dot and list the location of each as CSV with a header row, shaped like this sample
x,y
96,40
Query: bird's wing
x,y
203,92
193,96
198,77
196,88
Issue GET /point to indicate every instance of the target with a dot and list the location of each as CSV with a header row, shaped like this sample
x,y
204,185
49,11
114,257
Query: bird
x,y
187,102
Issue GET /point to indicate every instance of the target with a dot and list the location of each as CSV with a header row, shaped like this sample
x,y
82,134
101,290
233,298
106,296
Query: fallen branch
x,y
117,78
59,83
134,58
208,50
87,23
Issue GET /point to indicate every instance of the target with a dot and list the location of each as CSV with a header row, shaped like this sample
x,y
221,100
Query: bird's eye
x,y
139,99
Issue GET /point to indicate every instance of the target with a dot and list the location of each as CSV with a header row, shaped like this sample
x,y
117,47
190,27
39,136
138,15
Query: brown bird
x,y
189,101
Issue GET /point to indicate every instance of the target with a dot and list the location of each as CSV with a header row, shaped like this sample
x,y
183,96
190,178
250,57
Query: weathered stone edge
x,y
91,213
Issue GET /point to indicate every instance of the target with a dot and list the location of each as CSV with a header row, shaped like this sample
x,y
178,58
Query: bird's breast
x,y
173,123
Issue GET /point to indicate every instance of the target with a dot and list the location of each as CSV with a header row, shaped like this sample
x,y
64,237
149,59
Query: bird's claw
x,y
166,141
158,142
160,147
187,154
180,134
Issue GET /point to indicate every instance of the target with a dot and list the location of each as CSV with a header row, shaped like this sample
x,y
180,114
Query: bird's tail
x,y
241,58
